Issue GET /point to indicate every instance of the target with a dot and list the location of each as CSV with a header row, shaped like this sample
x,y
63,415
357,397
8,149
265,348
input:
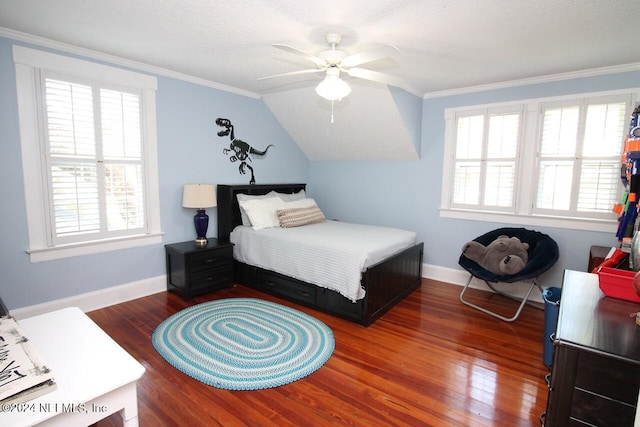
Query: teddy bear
x,y
504,256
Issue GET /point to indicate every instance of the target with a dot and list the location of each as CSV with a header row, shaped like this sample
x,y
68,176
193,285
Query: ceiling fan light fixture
x,y
333,88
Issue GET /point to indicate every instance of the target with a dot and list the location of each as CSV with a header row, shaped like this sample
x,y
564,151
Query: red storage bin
x,y
617,283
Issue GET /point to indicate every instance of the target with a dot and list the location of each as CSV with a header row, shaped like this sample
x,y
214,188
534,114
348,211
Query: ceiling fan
x,y
334,61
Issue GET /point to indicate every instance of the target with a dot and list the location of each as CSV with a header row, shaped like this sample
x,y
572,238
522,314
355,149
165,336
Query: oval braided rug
x,y
244,343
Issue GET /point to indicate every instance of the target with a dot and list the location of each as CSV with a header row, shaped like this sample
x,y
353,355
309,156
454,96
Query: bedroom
x,y
400,193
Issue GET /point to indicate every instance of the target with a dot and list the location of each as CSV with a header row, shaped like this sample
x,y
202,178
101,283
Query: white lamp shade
x,y
333,87
199,196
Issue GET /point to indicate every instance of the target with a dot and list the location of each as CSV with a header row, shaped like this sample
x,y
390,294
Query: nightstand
x,y
195,271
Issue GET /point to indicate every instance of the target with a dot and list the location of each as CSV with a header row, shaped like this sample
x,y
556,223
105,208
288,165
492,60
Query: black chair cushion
x,y
543,254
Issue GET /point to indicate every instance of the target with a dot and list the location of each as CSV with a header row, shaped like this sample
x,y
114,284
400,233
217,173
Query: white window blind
x,y
551,162
95,162
485,160
579,157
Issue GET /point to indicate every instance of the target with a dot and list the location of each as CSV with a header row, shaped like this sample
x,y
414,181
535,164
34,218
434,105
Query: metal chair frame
x,y
523,301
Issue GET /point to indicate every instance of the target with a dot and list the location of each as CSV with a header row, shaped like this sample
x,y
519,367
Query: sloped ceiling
x,y
366,125
445,45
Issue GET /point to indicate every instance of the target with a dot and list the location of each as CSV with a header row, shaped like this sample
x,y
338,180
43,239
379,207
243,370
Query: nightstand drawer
x,y
210,259
215,278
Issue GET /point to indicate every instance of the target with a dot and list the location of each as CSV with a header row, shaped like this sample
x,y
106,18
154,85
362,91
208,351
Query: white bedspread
x,y
330,254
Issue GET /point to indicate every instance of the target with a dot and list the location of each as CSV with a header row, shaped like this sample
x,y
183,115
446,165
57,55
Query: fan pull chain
x,y
331,111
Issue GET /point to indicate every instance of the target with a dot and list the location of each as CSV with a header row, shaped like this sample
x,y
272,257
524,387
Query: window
x,y
553,162
89,155
579,157
485,160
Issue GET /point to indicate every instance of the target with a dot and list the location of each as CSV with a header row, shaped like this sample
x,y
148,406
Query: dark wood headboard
x,y
229,210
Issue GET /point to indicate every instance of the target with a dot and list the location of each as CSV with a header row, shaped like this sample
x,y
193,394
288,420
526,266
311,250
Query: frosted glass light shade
x,y
333,87
199,196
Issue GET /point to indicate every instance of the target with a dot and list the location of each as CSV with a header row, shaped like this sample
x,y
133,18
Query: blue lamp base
x,y
201,221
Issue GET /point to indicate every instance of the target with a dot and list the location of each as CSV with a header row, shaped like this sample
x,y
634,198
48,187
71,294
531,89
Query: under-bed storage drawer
x,y
281,285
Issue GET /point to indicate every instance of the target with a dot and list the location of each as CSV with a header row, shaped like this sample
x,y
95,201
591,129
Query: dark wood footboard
x,y
385,283
391,280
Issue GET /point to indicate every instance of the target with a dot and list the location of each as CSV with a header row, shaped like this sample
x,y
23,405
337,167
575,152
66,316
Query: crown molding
x,y
536,80
116,60
100,56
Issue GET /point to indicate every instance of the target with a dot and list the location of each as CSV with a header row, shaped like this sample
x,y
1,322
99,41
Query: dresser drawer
x,y
210,259
595,410
280,285
608,377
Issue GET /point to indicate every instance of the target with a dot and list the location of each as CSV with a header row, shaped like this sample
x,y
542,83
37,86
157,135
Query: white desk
x,y
95,377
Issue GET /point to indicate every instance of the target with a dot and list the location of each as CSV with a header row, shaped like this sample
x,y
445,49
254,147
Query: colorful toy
x,y
630,177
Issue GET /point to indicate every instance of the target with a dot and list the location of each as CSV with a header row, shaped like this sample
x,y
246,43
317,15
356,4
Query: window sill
x,y
86,248
594,225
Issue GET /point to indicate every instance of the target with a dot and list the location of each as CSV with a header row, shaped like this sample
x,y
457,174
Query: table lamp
x,y
200,196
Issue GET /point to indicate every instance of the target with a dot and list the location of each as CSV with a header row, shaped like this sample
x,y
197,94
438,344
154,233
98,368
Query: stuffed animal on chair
x,y
505,255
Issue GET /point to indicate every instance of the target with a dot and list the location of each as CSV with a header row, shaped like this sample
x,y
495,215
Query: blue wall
x,y
407,194
189,150
404,194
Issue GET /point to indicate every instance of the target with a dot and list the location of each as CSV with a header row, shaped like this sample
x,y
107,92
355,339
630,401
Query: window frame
x,y
484,156
577,158
28,66
525,190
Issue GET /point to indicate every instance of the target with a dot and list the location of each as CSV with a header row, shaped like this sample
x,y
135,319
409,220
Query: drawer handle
x,y
305,294
547,379
210,260
269,283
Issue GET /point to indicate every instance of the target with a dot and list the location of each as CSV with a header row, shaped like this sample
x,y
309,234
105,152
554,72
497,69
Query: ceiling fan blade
x,y
318,61
293,73
369,55
375,76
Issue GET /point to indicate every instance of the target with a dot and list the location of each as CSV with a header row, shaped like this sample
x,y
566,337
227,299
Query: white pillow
x,y
301,203
289,197
244,197
262,212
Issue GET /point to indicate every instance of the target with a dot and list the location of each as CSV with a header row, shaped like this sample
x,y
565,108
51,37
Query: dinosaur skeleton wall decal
x,y
239,150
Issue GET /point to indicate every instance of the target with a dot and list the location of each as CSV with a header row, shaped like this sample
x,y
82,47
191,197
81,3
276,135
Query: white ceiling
x,y
445,44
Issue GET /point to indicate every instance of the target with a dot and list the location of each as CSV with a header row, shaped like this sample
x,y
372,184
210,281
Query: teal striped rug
x,y
244,343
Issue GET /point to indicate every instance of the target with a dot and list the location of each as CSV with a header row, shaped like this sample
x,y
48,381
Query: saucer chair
x,y
542,253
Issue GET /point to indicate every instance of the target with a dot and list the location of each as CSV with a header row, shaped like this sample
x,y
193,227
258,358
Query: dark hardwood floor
x,y
429,361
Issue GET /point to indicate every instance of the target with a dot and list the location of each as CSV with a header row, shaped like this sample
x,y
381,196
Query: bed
x,y
385,283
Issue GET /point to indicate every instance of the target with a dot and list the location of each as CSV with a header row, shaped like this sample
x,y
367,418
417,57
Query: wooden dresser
x,y
595,375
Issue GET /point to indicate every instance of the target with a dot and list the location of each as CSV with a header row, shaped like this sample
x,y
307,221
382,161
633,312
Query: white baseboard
x,y
130,291
97,299
459,277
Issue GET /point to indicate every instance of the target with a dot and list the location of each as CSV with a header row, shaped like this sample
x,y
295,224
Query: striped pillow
x,y
295,217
